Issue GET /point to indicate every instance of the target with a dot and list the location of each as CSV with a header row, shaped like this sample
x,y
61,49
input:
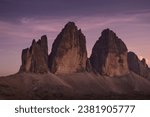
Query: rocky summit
x,y
109,55
35,58
68,54
111,72
137,66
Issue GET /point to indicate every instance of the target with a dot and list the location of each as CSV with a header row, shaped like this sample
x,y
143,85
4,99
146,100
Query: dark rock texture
x,y
109,55
137,66
35,58
143,61
68,54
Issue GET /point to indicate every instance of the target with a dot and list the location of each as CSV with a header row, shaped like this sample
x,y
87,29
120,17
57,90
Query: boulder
x,y
35,58
68,54
109,55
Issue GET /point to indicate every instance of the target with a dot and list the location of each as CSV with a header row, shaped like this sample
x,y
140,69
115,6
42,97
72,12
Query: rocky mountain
x,y
111,72
109,55
138,66
35,58
68,54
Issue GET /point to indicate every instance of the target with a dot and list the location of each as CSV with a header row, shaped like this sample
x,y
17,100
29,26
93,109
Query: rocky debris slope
x,y
68,54
35,58
73,86
109,55
138,66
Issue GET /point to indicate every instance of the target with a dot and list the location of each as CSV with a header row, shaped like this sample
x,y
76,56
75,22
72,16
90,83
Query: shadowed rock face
x,y
109,55
137,66
143,61
68,52
35,58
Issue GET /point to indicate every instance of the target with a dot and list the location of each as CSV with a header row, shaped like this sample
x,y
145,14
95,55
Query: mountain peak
x,y
107,30
137,66
108,33
109,55
70,25
35,59
69,52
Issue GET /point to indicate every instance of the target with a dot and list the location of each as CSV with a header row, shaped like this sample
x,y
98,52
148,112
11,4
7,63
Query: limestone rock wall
x,y
68,54
35,58
109,55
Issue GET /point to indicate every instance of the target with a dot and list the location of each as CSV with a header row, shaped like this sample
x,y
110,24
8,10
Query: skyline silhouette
x,y
21,21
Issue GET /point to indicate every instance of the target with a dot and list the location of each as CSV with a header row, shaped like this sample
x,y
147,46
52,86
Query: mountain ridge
x,y
111,72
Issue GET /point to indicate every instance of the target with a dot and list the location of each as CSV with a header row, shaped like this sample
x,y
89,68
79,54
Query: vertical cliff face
x,y
137,66
68,52
109,55
35,58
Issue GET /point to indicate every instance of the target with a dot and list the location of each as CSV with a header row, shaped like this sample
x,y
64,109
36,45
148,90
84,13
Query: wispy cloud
x,y
27,27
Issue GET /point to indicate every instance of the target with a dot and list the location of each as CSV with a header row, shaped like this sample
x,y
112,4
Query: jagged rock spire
x,y
68,54
109,55
137,66
35,58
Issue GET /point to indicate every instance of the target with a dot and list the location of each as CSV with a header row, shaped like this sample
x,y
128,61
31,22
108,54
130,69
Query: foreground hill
x,y
74,86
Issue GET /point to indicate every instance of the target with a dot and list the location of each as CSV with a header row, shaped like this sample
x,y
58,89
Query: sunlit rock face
x,y
137,66
35,58
109,55
68,54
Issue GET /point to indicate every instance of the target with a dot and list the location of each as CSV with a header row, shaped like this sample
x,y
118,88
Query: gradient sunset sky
x,y
24,20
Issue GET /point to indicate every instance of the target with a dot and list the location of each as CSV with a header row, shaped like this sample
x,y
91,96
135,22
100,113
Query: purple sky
x,y
23,20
